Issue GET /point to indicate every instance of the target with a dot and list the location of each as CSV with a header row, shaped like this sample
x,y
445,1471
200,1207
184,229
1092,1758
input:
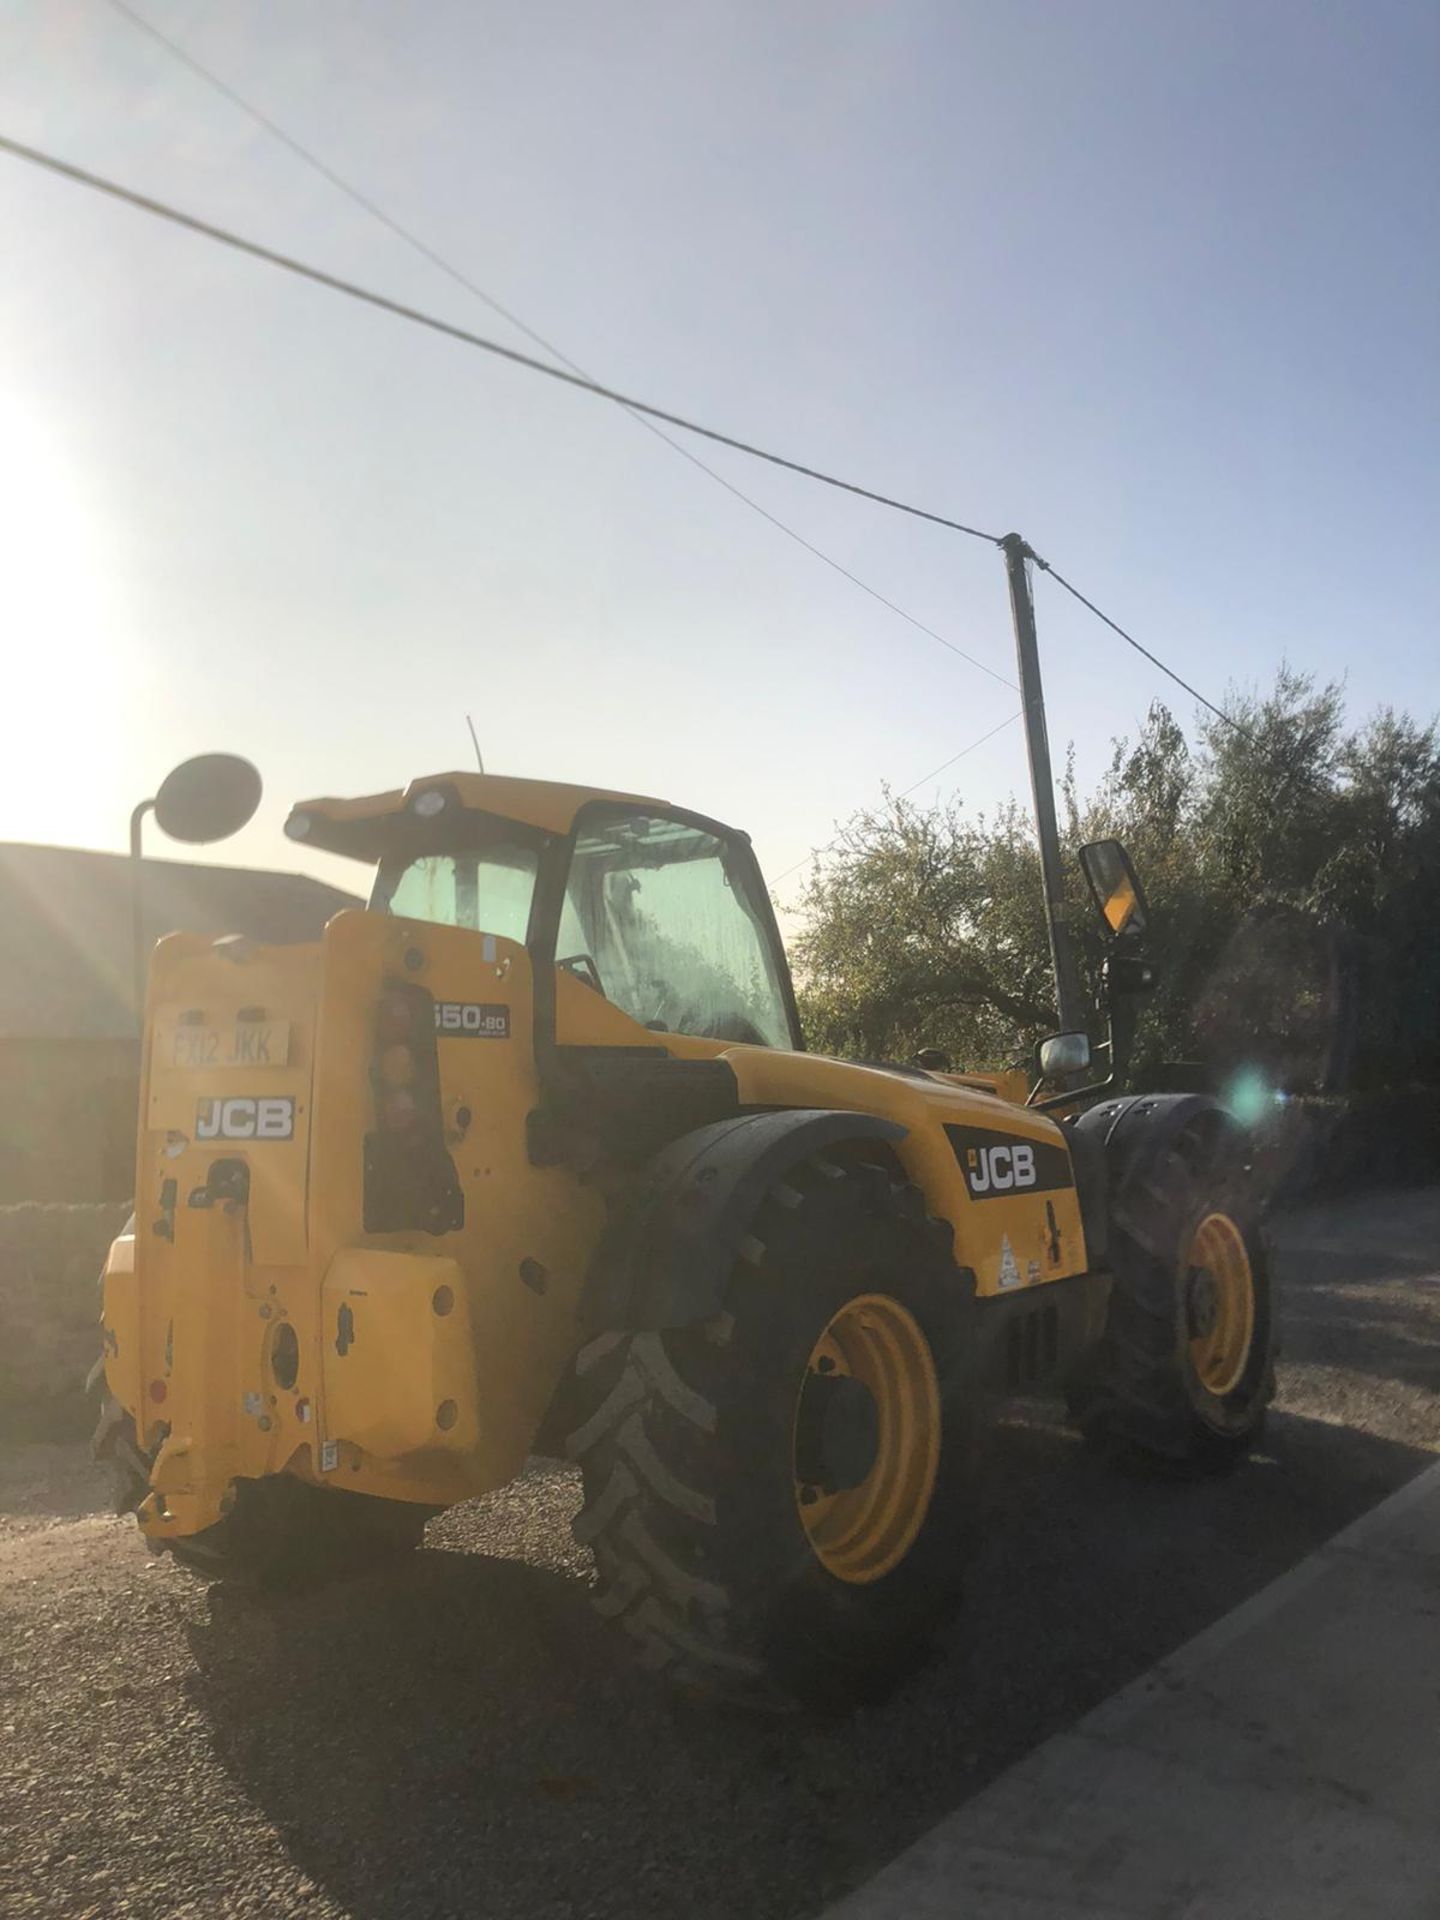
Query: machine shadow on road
x,y
460,1735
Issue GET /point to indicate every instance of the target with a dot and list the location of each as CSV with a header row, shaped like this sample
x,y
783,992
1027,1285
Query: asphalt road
x,y
458,1736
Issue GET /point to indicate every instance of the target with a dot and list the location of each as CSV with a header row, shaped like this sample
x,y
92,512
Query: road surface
x,y
458,1735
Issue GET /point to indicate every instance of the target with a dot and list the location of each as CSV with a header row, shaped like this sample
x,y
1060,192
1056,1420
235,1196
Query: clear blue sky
x,y
1156,283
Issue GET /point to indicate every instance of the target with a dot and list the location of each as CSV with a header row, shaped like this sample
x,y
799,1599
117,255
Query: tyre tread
x,y
659,1469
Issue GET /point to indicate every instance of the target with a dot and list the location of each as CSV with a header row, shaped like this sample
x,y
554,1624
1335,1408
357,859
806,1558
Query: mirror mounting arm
x,y
1092,1092
203,799
138,950
1129,978
1067,1097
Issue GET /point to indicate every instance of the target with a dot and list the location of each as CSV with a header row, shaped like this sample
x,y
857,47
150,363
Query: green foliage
x,y
926,929
1293,872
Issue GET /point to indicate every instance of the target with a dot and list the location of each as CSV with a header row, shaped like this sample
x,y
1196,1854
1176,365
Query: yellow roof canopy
x,y
360,827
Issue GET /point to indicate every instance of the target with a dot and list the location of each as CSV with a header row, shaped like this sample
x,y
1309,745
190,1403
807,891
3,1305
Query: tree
x,y
926,929
1293,873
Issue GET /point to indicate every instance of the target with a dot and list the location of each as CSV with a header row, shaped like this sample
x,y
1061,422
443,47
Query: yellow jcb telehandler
x,y
528,1156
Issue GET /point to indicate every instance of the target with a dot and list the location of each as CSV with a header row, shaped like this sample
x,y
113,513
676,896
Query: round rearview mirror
x,y
208,798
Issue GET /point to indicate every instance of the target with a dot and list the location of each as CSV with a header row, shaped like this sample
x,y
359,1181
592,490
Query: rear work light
x,y
410,1179
397,1066
397,1012
398,1109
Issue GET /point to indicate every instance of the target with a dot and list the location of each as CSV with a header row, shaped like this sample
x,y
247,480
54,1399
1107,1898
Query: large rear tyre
x,y
1185,1368
780,1502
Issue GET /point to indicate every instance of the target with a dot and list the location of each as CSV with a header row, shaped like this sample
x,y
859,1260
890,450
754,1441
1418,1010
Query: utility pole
x,y
1042,784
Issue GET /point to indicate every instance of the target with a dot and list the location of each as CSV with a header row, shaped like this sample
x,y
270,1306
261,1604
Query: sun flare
x,y
63,677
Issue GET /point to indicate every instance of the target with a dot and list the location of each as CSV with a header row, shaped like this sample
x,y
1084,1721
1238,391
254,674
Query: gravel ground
x,y
458,1736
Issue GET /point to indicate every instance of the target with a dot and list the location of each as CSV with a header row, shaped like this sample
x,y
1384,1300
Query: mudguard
x,y
665,1257
1142,1127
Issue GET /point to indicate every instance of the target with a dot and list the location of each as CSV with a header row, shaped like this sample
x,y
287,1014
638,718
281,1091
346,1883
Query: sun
x,y
63,679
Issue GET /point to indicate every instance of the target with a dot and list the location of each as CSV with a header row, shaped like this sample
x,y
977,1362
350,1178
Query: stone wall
x,y
50,1260
67,1124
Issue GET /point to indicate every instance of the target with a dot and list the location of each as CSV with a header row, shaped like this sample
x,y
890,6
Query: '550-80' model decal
x,y
472,1020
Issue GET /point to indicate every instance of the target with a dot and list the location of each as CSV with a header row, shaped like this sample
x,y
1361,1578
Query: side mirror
x,y
208,798
1115,887
1064,1054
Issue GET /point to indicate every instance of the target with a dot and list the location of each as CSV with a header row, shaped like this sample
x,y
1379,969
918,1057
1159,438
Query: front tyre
x,y
780,1502
1185,1368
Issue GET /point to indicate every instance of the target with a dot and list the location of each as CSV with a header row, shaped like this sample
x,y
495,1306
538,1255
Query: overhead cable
x,y
904,793
427,252
224,237
1131,641
162,210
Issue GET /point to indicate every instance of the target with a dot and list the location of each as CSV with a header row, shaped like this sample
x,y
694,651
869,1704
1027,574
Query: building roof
x,y
65,929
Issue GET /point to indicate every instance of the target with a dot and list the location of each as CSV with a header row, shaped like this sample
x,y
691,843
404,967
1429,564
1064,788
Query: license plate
x,y
238,1043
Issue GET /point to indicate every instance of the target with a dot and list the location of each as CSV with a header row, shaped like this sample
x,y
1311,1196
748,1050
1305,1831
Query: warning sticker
x,y
1009,1266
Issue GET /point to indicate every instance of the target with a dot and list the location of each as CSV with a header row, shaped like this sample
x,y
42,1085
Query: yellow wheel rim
x,y
1219,1292
861,1532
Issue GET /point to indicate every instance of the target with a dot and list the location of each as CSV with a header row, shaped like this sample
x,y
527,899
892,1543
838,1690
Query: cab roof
x,y
361,827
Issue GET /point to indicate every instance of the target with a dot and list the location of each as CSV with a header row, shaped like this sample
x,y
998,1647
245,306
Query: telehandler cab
x,y
528,1157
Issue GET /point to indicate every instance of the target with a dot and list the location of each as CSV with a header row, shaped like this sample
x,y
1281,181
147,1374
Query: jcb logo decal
x,y
996,1164
270,1118
1000,1169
